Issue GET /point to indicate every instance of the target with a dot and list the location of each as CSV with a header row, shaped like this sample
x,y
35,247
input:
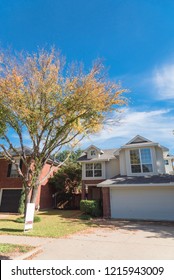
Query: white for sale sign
x,y
29,216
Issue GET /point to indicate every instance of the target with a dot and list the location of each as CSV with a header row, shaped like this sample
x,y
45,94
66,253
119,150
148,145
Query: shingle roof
x,y
28,152
138,180
107,155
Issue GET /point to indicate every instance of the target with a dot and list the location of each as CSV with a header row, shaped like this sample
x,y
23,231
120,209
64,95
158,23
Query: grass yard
x,y
54,223
7,251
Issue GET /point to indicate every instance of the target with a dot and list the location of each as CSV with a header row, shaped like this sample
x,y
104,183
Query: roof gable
x,y
107,155
92,147
138,139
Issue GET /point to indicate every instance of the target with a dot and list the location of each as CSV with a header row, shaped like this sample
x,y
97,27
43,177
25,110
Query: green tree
x,y
71,156
67,180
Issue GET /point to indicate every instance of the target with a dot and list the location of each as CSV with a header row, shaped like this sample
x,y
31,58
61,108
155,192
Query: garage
x,y
10,200
142,202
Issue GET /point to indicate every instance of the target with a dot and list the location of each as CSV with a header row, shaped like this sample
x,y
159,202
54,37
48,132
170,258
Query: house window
x,y
97,170
12,170
166,162
93,153
89,170
141,161
93,170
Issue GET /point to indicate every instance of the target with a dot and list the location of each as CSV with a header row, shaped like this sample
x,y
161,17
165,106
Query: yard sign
x,y
29,216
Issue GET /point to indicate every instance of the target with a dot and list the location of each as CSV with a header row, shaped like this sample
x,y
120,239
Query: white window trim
x,y
141,173
93,152
93,169
93,178
13,172
1,190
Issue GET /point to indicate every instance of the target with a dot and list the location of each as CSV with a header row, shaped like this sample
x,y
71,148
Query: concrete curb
x,y
28,254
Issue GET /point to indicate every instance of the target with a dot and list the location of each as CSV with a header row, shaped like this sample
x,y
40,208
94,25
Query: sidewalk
x,y
143,242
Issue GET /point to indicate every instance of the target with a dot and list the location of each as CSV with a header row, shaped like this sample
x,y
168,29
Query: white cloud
x,y
155,125
163,80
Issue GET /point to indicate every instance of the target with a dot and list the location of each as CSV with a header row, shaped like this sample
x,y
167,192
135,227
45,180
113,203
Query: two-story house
x,y
133,182
11,185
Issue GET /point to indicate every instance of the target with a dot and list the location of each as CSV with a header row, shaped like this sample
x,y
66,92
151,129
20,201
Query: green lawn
x,y
6,248
55,223
11,251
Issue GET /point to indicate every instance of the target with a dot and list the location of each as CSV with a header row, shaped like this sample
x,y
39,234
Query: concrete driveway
x,y
118,240
123,241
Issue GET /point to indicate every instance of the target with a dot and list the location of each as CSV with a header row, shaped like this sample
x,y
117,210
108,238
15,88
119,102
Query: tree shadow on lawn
x,y
11,230
66,214
157,228
8,220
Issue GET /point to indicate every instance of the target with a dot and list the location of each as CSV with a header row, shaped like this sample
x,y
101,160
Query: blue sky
x,y
134,37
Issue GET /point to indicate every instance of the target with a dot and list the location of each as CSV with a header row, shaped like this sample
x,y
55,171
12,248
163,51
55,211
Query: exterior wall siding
x,y
112,168
160,161
122,159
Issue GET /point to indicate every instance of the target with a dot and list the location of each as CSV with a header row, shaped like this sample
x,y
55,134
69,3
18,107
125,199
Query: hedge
x,y
91,207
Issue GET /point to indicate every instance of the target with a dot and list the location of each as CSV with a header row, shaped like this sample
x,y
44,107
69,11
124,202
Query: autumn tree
x,y
50,104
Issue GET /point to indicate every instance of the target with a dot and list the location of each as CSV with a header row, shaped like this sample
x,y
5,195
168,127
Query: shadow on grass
x,y
156,228
7,220
66,214
11,230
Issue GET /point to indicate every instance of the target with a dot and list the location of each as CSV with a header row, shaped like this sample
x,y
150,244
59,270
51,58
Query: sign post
x,y
29,216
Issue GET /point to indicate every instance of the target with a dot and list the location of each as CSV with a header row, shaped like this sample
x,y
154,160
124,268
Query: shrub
x,y
91,207
85,217
22,219
21,208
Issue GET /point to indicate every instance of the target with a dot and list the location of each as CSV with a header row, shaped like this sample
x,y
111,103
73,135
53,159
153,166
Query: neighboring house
x,y
11,186
168,161
133,182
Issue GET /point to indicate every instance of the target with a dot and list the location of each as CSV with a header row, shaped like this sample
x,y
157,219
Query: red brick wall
x,y
45,192
12,183
89,182
106,202
105,196
7,182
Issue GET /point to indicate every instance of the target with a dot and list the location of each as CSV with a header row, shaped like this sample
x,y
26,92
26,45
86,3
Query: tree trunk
x,y
27,197
34,194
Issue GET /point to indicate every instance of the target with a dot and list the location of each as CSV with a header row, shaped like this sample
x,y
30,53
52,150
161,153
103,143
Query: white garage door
x,y
146,204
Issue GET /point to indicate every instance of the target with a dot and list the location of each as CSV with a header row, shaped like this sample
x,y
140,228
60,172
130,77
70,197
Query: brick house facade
x,y
11,186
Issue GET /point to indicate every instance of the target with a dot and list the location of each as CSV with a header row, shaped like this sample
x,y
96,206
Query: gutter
x,y
103,185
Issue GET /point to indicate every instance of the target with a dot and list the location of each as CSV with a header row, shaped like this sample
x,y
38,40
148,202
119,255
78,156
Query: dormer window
x,y
141,161
93,153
